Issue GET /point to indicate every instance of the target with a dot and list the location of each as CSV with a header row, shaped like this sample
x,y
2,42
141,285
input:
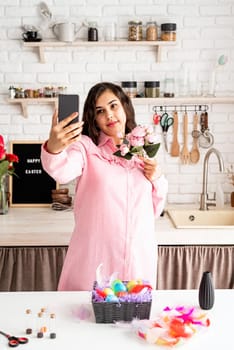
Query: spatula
x,y
175,147
184,156
195,154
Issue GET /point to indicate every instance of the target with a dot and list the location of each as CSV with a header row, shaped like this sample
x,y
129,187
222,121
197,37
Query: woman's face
x,y
110,115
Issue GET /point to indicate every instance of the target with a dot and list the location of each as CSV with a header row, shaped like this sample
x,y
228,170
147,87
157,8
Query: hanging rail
x,y
181,108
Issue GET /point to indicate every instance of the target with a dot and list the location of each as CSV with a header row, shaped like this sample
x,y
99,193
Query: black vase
x,y
206,291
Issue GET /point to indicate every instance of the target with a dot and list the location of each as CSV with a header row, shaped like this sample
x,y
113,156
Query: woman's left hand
x,y
149,168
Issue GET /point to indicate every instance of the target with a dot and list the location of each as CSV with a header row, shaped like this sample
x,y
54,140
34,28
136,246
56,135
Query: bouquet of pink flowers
x,y
141,141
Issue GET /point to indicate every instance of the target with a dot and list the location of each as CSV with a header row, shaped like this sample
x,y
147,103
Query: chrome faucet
x,y
205,201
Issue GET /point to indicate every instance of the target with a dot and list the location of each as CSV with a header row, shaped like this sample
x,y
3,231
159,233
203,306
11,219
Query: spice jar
x,y
169,90
92,31
130,88
168,31
152,88
134,30
151,31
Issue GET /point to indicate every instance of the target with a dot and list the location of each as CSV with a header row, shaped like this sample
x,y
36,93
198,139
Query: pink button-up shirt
x,y
114,209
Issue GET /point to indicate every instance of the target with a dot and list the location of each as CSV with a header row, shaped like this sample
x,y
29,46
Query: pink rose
x,y
136,141
124,149
151,138
138,131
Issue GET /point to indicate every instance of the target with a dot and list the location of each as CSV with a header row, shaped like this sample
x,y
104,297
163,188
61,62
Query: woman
x,y
116,200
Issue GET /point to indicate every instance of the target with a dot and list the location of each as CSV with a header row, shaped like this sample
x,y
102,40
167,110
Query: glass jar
x,y
130,88
168,31
151,31
152,88
135,31
92,31
169,90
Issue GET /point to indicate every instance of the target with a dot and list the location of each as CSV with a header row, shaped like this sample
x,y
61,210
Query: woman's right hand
x,y
62,134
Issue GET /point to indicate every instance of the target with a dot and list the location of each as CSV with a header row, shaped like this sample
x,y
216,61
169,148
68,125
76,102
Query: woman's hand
x,y
149,168
62,134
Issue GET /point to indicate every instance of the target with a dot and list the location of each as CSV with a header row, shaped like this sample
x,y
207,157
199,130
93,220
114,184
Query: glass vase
x,y
3,196
206,291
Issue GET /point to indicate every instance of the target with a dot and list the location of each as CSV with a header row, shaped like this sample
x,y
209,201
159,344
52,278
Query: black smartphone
x,y
67,104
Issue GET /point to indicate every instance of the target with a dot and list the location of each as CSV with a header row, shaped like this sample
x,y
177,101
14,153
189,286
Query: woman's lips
x,y
111,124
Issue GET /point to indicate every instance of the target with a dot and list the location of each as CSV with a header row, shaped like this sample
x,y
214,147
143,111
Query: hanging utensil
x,y
206,139
175,146
195,154
165,123
184,156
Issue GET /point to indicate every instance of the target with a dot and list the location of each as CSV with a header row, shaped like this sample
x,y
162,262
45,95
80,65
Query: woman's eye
x,y
114,105
99,111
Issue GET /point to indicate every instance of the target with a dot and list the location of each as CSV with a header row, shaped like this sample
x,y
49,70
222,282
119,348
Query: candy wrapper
x,y
174,326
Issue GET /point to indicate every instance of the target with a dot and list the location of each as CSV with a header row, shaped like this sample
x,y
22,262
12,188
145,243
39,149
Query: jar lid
x,y
129,84
135,23
151,23
152,84
168,27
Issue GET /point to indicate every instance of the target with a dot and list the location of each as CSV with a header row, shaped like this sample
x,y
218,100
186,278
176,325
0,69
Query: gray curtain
x,y
181,267
30,268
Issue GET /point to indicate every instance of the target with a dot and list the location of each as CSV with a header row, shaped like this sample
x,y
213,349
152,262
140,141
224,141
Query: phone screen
x,y
67,104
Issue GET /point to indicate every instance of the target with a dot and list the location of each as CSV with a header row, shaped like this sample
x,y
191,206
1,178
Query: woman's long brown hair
x,y
90,127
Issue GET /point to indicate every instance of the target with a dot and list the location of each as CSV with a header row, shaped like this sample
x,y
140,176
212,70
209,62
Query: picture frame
x,y
31,186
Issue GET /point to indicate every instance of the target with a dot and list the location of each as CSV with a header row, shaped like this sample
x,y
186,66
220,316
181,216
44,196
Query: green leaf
x,y
136,149
151,149
4,167
127,156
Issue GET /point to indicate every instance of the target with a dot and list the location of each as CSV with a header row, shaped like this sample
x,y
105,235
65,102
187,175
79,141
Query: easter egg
x,y
131,284
112,299
121,294
119,287
108,291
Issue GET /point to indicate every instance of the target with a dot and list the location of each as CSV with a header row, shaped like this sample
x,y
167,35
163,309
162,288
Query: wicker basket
x,y
110,312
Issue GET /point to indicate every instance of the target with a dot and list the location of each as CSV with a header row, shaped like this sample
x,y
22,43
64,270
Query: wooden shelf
x,y
175,101
24,102
42,45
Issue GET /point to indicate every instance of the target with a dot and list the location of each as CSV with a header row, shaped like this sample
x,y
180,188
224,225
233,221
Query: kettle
x,y
66,31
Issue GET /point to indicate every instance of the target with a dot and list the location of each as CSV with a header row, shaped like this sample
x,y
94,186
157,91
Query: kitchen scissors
x,y
165,122
14,341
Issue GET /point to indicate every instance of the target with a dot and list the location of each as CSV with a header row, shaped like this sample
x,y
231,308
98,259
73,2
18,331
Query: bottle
x,y
151,31
92,31
152,88
219,196
28,322
134,30
206,291
130,88
169,90
168,31
52,326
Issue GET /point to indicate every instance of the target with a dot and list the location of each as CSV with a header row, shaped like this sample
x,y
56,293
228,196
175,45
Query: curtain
x,y
30,268
181,267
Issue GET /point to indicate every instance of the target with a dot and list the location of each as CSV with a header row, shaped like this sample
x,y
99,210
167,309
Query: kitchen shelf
x,y
177,101
42,45
160,101
24,102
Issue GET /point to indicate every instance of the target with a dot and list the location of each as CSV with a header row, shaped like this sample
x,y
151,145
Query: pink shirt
x,y
114,209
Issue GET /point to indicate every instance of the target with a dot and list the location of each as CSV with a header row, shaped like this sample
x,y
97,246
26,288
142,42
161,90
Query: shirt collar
x,y
103,139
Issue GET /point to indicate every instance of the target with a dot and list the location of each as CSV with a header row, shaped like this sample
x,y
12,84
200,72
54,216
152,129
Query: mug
x,y
30,35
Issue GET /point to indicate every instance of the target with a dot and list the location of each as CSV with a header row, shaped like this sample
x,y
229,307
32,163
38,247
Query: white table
x,y
75,334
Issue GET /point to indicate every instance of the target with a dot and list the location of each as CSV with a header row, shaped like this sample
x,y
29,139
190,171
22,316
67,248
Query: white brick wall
x,y
205,31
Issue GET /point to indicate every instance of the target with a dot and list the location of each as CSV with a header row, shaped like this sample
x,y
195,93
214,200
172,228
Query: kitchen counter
x,y
36,240
47,227
75,334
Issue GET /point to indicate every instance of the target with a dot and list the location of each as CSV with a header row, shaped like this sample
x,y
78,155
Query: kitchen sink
x,y
195,218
